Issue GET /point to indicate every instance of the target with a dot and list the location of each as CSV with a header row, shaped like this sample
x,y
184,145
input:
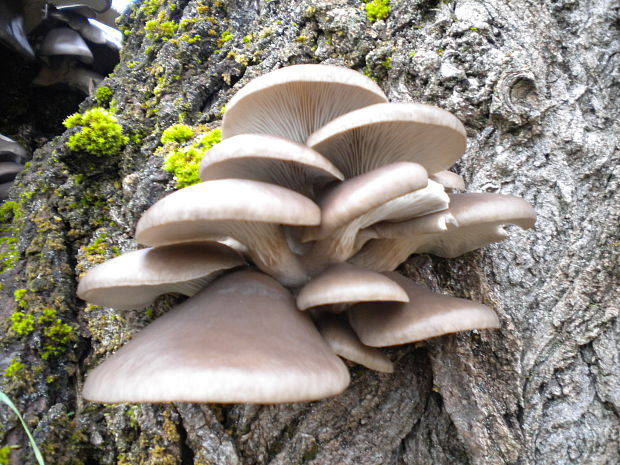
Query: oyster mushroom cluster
x,y
12,159
320,188
74,41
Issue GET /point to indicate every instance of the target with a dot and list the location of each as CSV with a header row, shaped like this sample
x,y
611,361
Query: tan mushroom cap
x,y
359,195
377,135
241,340
344,283
472,221
344,342
425,316
451,181
250,212
66,41
268,159
137,278
294,101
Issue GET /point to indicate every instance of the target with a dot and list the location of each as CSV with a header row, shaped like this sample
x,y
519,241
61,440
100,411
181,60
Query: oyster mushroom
x,y
239,340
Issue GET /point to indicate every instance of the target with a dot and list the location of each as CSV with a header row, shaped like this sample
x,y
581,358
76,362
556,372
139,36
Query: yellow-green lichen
x,y
158,29
184,162
100,133
58,335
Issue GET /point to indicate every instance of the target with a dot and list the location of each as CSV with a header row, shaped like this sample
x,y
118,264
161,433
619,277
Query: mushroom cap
x,y
12,29
344,342
66,41
137,278
425,316
385,133
345,283
359,195
294,101
98,6
449,180
197,212
8,170
268,159
239,340
250,212
11,150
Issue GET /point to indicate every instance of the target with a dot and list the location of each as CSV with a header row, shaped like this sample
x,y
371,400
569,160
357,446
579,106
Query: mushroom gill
x,y
323,184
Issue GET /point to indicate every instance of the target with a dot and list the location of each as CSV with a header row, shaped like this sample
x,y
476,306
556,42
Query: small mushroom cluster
x,y
75,41
320,188
12,159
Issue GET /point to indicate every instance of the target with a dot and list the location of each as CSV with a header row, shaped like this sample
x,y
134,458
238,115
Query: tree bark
x,y
536,85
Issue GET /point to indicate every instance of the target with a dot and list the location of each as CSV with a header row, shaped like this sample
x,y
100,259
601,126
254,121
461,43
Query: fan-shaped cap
x,y
12,29
364,139
425,316
239,340
472,221
295,101
8,170
359,195
11,150
344,342
98,6
249,211
65,41
268,159
451,181
137,278
344,283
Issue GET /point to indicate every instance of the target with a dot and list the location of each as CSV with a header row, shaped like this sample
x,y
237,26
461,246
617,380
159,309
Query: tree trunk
x,y
536,85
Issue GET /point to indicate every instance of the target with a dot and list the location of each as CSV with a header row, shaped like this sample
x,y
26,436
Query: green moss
x,y
5,453
247,39
150,7
100,132
225,37
9,211
13,370
157,29
104,96
177,133
387,63
184,162
21,323
19,295
377,9
57,334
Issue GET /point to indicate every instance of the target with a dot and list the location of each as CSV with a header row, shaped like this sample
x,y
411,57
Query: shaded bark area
x,y
536,85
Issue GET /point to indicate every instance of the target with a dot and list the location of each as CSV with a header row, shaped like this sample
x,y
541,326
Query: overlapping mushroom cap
x,y
12,159
323,184
75,41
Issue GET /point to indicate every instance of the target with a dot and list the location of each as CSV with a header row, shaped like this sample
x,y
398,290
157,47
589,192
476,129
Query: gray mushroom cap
x,y
377,135
344,342
451,181
8,170
425,316
13,30
343,283
66,41
250,212
135,279
97,6
11,150
472,221
239,340
294,101
268,159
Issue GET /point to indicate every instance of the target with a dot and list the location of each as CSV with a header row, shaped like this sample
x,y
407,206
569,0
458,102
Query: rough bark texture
x,y
536,85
